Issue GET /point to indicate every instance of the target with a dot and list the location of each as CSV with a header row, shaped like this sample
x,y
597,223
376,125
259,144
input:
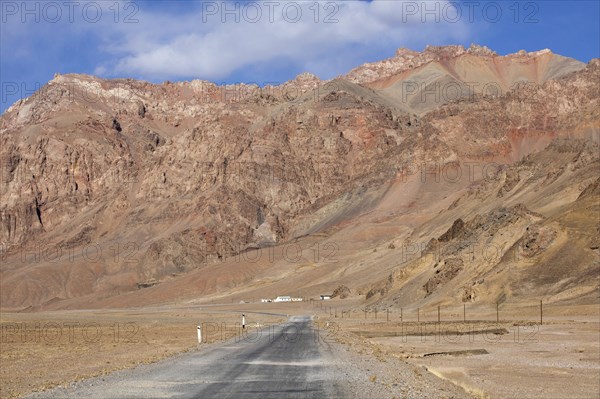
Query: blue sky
x,y
265,41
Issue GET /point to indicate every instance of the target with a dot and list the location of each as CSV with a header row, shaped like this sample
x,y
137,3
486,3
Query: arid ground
x,y
515,357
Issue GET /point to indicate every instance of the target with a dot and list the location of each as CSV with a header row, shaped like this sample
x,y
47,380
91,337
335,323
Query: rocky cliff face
x,y
109,184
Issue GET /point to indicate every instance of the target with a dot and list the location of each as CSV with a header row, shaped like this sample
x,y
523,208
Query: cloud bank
x,y
218,39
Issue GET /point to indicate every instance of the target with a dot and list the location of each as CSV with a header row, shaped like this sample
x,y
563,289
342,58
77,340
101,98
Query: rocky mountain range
x,y
450,174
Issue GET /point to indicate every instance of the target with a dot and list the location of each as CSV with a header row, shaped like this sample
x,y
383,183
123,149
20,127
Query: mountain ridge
x,y
173,181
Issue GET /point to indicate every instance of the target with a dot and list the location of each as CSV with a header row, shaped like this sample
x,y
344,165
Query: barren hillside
x,y
451,174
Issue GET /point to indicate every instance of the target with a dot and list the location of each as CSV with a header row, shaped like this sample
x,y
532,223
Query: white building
x,y
283,298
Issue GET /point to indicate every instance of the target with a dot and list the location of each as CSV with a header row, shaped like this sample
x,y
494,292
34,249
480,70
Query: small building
x,y
296,299
325,297
283,298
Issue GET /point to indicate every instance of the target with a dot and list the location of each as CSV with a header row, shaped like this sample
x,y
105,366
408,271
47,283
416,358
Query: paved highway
x,y
291,360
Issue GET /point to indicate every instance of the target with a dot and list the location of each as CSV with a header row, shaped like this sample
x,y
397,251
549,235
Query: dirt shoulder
x,y
372,372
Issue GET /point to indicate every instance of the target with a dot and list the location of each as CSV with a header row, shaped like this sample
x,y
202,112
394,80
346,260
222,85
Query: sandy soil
x,y
510,359
552,361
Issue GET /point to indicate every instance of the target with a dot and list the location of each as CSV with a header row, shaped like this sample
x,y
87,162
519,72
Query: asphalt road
x,y
292,360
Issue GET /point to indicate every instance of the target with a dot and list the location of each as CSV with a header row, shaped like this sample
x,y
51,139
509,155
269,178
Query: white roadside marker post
x,y
243,321
199,333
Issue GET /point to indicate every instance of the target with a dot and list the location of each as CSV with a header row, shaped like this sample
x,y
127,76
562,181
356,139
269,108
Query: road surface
x,y
291,360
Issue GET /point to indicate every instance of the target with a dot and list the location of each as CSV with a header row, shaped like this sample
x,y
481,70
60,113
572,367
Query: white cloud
x,y
100,71
201,45
157,40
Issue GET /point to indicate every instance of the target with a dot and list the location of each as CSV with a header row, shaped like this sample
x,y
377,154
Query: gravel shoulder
x,y
371,373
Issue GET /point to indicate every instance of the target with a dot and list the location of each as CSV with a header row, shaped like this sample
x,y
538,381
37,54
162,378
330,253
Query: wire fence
x,y
530,312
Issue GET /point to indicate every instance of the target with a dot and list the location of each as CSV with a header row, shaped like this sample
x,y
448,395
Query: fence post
x,y
497,313
365,314
438,314
375,314
418,315
464,313
401,319
388,315
541,314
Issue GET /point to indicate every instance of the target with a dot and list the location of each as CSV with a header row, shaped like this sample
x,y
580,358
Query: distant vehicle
x,y
325,297
283,298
